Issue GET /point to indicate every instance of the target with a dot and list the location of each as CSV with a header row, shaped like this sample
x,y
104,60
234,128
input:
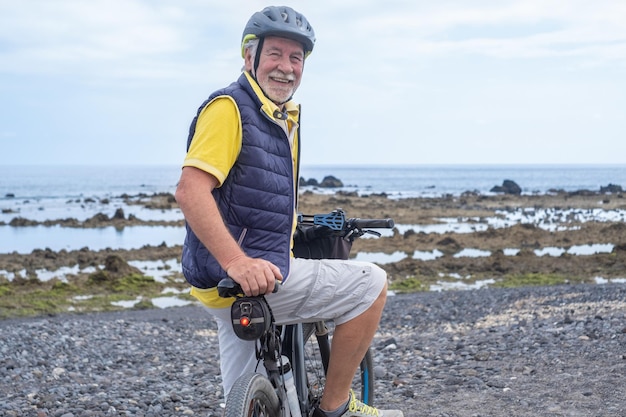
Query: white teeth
x,y
281,77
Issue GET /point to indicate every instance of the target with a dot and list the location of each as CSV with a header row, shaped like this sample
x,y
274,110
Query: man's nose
x,y
285,65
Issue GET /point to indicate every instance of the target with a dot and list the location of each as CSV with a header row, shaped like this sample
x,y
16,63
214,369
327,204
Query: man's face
x,y
280,67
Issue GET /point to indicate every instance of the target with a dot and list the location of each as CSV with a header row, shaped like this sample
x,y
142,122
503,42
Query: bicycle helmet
x,y
280,21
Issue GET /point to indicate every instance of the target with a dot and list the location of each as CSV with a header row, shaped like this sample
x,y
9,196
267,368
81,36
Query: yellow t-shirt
x,y
217,139
216,145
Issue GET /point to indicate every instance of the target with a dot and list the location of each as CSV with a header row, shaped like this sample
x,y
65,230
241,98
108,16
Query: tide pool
x,y
26,239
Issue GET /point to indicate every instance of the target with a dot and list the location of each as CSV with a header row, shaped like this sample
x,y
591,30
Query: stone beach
x,y
536,350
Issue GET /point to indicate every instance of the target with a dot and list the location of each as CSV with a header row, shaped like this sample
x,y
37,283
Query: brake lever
x,y
360,232
373,232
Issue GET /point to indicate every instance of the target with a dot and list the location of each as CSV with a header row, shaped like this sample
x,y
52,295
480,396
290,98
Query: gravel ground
x,y
536,351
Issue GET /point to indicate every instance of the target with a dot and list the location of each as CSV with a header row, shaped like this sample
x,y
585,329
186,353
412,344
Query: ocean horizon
x,y
74,181
41,193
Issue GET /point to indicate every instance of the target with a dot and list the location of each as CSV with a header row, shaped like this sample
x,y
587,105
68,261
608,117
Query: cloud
x,y
427,76
504,29
158,39
112,38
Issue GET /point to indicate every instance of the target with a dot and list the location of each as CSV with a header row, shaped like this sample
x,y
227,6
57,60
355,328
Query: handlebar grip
x,y
229,288
374,223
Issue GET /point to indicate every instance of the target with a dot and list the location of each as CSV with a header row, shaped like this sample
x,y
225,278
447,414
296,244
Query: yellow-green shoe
x,y
357,409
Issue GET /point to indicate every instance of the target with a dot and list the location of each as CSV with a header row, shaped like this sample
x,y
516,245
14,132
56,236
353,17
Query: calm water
x,y
81,181
436,180
25,239
36,182
49,192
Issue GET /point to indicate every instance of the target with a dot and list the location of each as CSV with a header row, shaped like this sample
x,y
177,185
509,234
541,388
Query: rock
x,y
119,214
328,182
114,268
21,222
582,192
331,182
115,264
310,182
611,188
507,187
98,218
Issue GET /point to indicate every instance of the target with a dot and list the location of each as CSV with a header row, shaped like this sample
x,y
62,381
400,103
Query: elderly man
x,y
238,193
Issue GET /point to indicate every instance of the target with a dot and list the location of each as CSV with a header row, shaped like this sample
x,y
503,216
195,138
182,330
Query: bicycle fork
x,y
269,352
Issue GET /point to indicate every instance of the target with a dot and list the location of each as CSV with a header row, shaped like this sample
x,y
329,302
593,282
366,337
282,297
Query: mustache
x,y
280,74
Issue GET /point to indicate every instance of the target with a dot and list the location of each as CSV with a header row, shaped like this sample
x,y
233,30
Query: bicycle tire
x,y
252,395
317,352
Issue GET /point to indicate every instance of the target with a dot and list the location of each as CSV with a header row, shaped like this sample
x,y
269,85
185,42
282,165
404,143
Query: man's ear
x,y
248,60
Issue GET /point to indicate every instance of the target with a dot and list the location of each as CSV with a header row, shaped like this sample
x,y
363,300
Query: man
x,y
238,192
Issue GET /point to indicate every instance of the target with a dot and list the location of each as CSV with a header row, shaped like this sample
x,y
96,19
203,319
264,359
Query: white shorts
x,y
327,289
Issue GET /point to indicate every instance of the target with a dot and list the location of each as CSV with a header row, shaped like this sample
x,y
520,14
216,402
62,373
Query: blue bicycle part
x,y
334,220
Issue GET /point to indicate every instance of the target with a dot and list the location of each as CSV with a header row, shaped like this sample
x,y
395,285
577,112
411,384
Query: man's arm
x,y
193,194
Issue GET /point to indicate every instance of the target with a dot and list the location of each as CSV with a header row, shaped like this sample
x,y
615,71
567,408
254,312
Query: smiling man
x,y
238,191
278,70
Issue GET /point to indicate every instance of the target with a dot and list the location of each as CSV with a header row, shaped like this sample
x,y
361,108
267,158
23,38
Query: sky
x,y
105,82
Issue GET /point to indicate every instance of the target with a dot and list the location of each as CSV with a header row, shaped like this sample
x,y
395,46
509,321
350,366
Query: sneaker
x,y
357,409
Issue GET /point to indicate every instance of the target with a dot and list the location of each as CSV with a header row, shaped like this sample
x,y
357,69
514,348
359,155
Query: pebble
x,y
536,351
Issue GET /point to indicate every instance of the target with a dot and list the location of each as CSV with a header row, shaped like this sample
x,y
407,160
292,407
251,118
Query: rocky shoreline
x,y
530,223
536,350
525,352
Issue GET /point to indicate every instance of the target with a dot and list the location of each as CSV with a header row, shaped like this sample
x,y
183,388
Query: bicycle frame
x,y
291,339
293,346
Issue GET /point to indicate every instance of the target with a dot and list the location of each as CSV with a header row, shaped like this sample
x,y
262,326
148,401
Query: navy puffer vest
x,y
257,198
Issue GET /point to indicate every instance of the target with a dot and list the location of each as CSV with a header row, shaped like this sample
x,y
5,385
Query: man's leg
x,y
350,343
237,356
350,293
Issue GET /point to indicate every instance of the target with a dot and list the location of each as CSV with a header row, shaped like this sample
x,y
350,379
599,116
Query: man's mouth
x,y
283,79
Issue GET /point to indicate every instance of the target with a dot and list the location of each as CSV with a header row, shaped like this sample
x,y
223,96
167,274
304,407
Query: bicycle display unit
x,y
295,357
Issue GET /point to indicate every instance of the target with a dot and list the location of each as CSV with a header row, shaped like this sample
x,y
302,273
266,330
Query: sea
x,y
42,193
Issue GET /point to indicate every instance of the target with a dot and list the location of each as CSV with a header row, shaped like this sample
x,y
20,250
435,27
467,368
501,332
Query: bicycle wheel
x,y
252,395
316,356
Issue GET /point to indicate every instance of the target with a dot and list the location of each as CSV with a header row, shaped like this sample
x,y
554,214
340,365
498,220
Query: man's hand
x,y
256,276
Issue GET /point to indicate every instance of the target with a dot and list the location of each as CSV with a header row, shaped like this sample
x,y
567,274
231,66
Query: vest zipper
x,y
242,236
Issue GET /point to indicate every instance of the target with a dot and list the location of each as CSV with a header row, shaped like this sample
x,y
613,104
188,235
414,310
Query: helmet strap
x,y
257,56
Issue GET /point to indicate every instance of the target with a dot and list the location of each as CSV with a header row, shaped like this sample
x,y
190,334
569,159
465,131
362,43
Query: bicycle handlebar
x,y
336,221
228,288
336,224
373,223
